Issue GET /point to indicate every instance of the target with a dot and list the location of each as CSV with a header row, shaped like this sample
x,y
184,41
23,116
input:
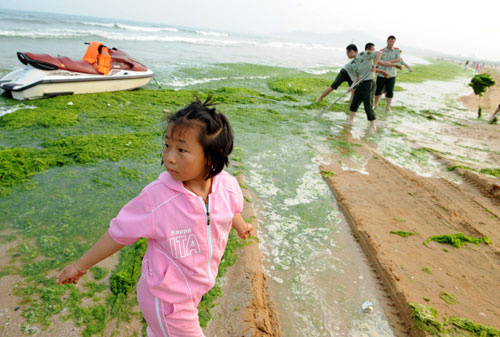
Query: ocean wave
x,y
68,33
136,33
24,19
147,29
180,39
98,24
130,27
201,32
57,34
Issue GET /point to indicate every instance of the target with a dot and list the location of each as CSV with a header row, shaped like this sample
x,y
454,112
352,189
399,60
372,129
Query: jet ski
x,y
101,69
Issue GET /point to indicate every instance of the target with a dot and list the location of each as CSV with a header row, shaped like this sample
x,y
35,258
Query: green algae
x,y
474,328
92,148
426,319
345,148
428,270
238,154
17,165
403,234
98,273
7,238
423,151
229,95
93,159
36,118
124,279
458,240
326,173
299,85
454,167
448,298
495,172
436,71
127,273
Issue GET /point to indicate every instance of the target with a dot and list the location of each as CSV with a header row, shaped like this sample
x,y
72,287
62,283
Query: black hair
x,y
369,45
391,37
352,47
216,135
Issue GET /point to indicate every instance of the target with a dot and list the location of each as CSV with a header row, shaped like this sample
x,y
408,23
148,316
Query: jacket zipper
x,y
209,237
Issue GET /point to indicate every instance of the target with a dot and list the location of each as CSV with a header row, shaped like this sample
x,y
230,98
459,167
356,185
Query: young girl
x,y
186,215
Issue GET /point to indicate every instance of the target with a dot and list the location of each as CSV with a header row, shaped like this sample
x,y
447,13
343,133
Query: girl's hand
x,y
246,233
70,274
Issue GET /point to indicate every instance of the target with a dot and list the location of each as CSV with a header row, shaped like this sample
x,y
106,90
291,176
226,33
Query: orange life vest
x,y
92,52
100,60
104,61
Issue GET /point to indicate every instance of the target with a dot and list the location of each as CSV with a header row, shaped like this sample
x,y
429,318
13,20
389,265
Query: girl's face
x,y
183,155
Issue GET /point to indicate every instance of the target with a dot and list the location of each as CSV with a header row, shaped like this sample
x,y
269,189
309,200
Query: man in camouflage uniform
x,y
392,55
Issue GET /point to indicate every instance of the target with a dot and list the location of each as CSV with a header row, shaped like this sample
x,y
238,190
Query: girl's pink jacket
x,y
186,238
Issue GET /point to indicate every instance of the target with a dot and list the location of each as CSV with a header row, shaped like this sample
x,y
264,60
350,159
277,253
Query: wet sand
x,y
246,308
391,198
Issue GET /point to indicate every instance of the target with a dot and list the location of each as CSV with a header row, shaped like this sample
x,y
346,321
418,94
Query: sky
x,y
467,29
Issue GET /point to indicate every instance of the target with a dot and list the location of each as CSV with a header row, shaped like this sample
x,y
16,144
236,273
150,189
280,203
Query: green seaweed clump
x,y
453,167
426,318
448,298
491,172
92,148
124,278
299,86
55,117
458,240
20,164
403,234
476,329
480,83
326,173
428,270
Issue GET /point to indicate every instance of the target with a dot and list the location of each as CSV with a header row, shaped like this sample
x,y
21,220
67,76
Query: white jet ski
x,y
101,69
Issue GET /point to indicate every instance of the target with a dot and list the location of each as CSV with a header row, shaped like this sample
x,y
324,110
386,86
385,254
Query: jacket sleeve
x,y
238,197
134,221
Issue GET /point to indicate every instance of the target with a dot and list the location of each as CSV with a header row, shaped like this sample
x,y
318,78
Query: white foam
x,y
99,24
56,34
130,27
15,108
147,29
310,189
201,32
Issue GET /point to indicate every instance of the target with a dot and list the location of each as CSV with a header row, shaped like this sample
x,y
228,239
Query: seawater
x,y
318,273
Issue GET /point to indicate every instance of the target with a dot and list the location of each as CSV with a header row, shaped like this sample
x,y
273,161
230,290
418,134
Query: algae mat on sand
x,y
65,172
